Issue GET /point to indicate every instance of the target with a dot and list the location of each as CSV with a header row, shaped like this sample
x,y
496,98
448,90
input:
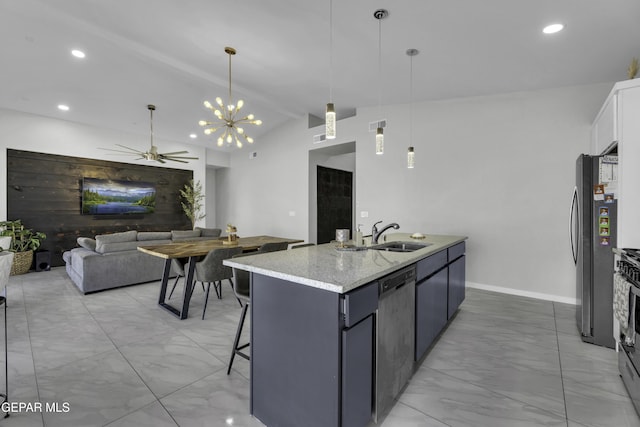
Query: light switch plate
x,y
364,214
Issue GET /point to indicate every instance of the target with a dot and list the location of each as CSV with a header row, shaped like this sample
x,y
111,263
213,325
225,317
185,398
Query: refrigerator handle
x,y
572,226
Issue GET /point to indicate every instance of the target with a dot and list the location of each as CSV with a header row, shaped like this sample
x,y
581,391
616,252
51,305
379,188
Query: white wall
x,y
498,169
28,132
258,194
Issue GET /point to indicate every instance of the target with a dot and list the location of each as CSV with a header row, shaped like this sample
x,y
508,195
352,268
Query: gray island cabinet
x,y
314,322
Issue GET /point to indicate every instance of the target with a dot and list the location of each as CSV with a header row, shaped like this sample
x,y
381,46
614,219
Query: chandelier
x,y
228,116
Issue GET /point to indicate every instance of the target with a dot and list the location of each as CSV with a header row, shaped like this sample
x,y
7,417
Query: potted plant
x,y
192,204
23,242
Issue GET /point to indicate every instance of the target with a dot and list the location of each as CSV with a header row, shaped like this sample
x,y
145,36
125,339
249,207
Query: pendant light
x,y
330,114
411,156
380,14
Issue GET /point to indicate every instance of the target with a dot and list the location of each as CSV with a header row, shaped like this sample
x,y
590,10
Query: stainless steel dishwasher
x,y
395,337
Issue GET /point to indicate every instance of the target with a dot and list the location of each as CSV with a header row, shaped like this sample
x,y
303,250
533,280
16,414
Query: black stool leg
x,y
231,284
236,349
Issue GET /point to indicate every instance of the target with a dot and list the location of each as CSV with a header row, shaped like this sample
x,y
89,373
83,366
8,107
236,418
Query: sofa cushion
x,y
117,247
87,243
153,235
126,236
177,235
209,232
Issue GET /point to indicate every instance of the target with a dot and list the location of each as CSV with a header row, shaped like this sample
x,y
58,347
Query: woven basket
x,y
21,262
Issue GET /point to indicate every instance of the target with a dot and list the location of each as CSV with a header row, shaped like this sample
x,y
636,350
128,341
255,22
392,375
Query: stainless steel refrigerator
x,y
593,235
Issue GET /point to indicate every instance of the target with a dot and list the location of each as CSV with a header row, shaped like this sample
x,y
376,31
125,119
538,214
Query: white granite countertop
x,y
325,267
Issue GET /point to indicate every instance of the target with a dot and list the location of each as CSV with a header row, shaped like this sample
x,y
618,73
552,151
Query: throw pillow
x,y
125,236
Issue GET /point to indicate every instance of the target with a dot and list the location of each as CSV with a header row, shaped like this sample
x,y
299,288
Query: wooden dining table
x,y
193,250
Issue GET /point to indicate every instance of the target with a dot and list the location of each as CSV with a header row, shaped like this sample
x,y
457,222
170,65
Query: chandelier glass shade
x,y
229,120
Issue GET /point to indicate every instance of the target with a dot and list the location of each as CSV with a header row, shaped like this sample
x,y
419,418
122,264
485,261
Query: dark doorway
x,y
335,202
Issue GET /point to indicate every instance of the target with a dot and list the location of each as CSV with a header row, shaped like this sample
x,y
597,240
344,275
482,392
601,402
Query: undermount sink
x,y
399,246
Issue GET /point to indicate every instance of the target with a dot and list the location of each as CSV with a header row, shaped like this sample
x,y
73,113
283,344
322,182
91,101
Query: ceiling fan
x,y
152,154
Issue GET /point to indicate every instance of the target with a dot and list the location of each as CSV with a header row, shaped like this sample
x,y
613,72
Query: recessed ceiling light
x,y
63,107
193,136
78,53
553,28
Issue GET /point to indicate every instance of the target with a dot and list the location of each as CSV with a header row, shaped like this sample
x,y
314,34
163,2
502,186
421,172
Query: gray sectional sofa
x,y
113,260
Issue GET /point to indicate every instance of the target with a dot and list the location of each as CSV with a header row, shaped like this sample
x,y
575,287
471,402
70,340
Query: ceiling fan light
x,y
229,140
220,141
240,104
231,107
218,114
208,131
258,122
240,131
219,102
208,104
250,140
204,123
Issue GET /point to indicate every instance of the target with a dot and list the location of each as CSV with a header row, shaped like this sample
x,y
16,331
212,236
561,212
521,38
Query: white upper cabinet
x,y
608,125
619,121
604,131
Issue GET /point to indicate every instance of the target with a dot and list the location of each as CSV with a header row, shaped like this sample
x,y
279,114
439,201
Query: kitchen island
x,y
316,349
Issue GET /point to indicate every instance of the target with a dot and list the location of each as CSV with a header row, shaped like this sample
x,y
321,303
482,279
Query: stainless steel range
x,y
627,283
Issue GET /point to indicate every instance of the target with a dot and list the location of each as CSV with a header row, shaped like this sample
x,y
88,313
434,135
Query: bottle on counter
x,y
357,239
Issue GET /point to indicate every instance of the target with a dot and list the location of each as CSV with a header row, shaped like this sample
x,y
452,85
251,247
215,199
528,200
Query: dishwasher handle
x,y
396,280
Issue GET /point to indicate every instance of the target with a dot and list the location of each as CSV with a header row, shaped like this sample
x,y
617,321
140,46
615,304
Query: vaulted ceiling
x,y
171,53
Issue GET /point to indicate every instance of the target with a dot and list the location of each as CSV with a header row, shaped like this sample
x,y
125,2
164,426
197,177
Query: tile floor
x,y
117,359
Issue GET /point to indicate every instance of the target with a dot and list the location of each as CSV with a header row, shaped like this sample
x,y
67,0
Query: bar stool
x,y
242,289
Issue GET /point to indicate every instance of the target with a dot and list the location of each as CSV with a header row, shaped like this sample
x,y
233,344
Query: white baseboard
x,y
519,292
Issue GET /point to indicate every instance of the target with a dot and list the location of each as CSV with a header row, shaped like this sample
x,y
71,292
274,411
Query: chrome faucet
x,y
375,234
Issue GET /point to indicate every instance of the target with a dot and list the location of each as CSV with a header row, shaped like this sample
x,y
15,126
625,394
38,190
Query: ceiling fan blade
x,y
117,151
180,157
175,152
129,148
175,160
160,160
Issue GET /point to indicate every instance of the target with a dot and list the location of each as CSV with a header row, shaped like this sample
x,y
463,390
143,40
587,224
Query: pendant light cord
x,y
151,124
379,68
230,79
331,51
411,100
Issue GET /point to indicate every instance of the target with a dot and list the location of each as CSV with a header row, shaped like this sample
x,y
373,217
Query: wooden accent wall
x,y
45,192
